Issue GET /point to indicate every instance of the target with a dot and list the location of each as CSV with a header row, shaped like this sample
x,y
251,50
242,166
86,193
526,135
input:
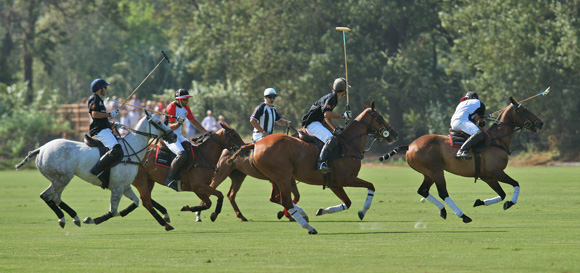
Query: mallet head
x,y
342,29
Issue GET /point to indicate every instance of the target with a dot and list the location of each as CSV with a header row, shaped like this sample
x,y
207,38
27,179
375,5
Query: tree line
x,y
416,59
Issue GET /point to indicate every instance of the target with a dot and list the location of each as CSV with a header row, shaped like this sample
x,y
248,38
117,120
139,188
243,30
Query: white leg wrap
x,y
454,207
490,201
516,194
296,215
434,200
300,210
369,200
334,209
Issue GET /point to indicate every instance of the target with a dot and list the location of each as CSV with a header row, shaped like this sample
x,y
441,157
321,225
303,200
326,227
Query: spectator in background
x,y
220,119
132,117
209,122
123,120
159,107
191,131
136,102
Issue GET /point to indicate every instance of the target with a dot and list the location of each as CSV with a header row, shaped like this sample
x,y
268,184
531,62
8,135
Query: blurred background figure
x,y
220,119
209,122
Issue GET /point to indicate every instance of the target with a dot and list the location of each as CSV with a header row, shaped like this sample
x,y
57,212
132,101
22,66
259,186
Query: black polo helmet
x,y
470,95
98,84
182,94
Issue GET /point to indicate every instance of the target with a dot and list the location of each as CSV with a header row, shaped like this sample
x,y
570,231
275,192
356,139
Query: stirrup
x,y
323,168
173,184
463,154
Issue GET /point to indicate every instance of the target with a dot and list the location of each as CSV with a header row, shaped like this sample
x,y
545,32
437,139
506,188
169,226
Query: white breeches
x,y
465,126
317,129
106,137
176,147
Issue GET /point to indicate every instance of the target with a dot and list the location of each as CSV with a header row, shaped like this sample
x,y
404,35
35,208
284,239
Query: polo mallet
x,y
345,29
164,58
536,95
149,110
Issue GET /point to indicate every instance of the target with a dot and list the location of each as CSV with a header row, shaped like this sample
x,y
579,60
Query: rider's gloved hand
x,y
337,131
347,115
113,113
180,119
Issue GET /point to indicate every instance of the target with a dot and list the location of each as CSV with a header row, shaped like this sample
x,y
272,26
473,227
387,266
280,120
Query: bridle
x,y
384,131
153,140
232,146
527,124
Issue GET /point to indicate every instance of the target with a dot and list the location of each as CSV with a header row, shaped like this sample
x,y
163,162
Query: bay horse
x,y
196,179
282,158
60,160
237,169
433,154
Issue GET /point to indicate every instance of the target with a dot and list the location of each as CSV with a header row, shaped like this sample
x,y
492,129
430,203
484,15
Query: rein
x,y
153,140
377,133
517,127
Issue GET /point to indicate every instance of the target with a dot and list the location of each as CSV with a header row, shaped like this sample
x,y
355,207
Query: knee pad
x,y
331,142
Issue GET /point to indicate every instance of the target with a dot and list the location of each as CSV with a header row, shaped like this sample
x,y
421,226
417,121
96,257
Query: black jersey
x,y
96,104
316,112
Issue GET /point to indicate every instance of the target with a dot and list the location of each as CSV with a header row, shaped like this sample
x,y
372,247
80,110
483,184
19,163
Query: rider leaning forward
x,y
100,129
179,111
468,115
320,112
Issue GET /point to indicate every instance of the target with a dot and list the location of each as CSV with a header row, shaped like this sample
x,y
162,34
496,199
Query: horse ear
x,y
364,106
147,113
515,103
373,105
225,125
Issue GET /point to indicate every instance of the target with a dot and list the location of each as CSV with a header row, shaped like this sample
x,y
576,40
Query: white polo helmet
x,y
270,92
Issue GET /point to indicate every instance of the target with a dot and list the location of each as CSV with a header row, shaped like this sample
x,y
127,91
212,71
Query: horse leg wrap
x,y
296,215
334,209
129,209
158,217
103,218
434,200
55,208
159,207
491,201
454,207
516,194
68,209
369,201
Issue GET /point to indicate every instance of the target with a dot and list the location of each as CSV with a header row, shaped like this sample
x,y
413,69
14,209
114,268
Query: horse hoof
x,y
88,220
443,213
213,216
466,219
478,203
77,221
361,214
185,208
168,228
243,219
280,214
319,212
198,220
61,224
166,218
508,205
312,231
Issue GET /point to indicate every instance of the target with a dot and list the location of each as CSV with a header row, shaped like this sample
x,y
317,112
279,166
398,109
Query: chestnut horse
x,y
281,158
197,179
237,170
433,154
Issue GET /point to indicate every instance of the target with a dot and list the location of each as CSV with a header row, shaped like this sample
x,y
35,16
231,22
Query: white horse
x,y
60,160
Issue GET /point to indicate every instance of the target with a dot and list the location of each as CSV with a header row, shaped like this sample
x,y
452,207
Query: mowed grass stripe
x,y
399,234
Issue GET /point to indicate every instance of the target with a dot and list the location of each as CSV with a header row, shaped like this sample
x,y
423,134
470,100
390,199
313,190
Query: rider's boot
x,y
176,164
328,146
105,163
471,141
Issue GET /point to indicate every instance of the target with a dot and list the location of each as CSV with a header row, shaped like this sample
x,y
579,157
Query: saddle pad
x,y
164,156
456,140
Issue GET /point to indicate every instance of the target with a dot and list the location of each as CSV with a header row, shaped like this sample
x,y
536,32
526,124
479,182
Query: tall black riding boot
x,y
176,164
103,165
472,140
328,146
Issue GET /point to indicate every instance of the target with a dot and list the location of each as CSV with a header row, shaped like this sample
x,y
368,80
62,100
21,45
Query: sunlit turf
x,y
541,233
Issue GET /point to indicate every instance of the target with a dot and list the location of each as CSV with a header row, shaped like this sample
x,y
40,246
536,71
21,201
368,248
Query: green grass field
x,y
541,233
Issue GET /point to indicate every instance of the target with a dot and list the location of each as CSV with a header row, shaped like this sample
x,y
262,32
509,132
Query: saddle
x,y
334,154
93,142
457,138
164,156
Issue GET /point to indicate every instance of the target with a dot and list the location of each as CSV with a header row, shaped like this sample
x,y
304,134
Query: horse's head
x,y
160,129
518,115
229,138
376,124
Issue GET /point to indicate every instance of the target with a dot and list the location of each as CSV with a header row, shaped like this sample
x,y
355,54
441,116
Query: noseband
x,y
383,131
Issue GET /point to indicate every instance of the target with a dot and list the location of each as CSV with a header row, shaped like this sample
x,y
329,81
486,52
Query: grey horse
x,y
60,160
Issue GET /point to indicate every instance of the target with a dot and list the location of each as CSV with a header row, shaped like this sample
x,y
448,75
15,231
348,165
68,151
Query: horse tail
x,y
27,158
244,151
393,152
